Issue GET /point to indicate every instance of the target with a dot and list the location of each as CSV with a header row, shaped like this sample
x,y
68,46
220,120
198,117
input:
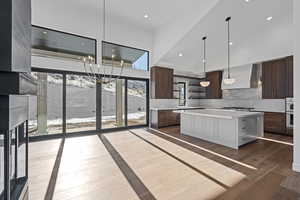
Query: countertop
x,y
219,113
178,108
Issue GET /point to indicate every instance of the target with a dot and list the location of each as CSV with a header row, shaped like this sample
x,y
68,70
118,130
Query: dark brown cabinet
x,y
277,78
164,118
214,90
275,122
161,83
290,76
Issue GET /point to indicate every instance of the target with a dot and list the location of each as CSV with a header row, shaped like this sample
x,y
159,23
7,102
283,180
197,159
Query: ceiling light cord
x,y
204,54
104,19
228,46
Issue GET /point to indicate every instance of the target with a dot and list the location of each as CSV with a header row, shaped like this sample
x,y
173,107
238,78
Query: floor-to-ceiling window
x,y
80,103
71,101
46,108
122,101
137,102
113,103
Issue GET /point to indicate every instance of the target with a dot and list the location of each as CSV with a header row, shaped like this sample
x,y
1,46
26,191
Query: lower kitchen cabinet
x,y
275,122
164,118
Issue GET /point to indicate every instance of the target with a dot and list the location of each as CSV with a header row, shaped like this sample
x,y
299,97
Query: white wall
x,y
85,18
296,164
168,35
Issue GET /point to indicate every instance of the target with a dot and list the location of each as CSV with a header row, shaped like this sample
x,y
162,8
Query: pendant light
x,y
228,80
205,82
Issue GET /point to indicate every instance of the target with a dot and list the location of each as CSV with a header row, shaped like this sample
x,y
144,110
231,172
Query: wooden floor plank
x,y
272,158
42,156
169,165
88,171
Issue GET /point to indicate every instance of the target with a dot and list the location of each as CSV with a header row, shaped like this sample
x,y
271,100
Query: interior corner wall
x,y
85,18
296,164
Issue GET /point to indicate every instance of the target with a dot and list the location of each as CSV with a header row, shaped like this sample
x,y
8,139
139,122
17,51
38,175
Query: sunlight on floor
x,y
277,141
161,172
154,165
209,151
87,171
213,169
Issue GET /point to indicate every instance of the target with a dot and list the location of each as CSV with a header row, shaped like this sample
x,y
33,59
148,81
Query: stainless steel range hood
x,y
246,76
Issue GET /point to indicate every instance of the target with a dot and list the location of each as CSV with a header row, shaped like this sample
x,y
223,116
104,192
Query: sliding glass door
x,y
80,103
46,107
113,104
69,102
137,102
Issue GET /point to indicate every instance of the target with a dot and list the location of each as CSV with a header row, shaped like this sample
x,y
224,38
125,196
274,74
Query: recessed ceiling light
x,y
146,16
230,43
180,54
269,18
247,1
45,32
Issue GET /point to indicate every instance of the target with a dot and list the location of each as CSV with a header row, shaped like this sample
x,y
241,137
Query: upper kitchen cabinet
x,y
277,79
214,90
161,83
290,76
15,36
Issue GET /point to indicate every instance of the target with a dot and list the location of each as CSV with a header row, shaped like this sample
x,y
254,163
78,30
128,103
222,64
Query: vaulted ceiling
x,y
254,37
177,26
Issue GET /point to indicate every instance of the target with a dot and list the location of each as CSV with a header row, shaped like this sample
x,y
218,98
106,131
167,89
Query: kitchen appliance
x,y
289,115
289,105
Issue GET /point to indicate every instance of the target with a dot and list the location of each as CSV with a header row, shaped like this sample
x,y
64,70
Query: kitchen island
x,y
225,127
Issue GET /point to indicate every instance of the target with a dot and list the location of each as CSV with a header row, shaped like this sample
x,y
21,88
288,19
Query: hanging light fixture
x,y
92,69
228,80
205,82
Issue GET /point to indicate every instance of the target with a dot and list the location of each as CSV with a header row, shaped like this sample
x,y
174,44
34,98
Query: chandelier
x,y
100,73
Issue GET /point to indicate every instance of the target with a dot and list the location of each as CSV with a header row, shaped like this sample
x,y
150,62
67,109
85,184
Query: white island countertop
x,y
220,113
230,128
178,108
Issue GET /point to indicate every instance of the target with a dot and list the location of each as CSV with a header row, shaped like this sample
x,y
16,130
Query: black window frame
x,y
98,106
98,95
148,53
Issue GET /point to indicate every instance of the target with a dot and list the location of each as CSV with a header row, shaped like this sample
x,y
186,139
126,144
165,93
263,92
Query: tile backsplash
x,y
171,103
267,105
250,98
245,94
250,101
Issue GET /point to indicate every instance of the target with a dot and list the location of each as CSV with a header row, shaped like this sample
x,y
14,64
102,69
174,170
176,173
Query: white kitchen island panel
x,y
228,128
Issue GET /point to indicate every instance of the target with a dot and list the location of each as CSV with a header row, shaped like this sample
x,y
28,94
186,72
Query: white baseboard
x,y
296,167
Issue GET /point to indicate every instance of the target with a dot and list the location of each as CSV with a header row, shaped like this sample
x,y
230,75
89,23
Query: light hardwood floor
x,y
147,164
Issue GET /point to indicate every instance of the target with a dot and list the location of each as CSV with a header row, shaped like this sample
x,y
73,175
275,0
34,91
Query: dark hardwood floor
x,y
272,156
